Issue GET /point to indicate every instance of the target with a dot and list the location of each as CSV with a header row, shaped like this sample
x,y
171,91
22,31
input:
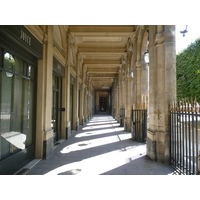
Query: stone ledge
x,y
151,135
48,134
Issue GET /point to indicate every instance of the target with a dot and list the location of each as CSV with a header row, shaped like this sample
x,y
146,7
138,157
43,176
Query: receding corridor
x,y
100,147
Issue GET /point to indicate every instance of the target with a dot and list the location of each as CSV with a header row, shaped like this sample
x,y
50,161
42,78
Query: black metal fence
x,y
185,126
139,119
122,116
114,113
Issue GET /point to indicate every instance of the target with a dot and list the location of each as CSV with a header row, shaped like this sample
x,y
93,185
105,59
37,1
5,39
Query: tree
x,y
188,72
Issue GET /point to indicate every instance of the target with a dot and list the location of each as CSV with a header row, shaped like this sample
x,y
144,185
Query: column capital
x,y
141,64
159,39
120,67
129,46
124,59
166,36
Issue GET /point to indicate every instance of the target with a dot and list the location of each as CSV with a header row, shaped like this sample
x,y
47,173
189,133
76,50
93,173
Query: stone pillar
x,y
88,105
162,90
141,82
85,104
83,88
128,102
81,120
138,83
119,93
144,81
67,75
44,96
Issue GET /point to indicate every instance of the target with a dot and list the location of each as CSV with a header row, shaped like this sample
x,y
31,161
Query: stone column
x,y
138,83
85,104
162,90
141,82
128,102
83,88
81,121
119,93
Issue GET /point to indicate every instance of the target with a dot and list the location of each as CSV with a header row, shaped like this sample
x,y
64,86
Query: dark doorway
x,y
103,104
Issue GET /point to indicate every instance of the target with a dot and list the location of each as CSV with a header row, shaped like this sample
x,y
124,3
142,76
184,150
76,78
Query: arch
x,y
57,36
139,42
144,44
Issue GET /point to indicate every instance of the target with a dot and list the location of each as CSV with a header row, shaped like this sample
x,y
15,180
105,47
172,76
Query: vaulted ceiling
x,y
102,48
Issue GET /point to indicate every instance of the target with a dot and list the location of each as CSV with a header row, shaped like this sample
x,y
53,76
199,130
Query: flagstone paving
x,y
100,147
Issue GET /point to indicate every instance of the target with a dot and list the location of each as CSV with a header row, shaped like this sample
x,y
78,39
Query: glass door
x,y
56,107
71,105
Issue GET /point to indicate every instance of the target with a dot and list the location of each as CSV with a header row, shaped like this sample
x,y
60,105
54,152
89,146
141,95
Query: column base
x,y
158,146
48,143
77,126
151,149
48,146
68,132
127,124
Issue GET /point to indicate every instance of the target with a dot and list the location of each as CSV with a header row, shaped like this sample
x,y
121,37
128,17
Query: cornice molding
x,y
37,32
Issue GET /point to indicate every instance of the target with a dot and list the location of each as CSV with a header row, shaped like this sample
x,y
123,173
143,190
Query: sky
x,y
190,36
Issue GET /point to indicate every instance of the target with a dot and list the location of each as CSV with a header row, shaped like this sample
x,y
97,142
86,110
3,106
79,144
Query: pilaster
x,y
67,74
44,93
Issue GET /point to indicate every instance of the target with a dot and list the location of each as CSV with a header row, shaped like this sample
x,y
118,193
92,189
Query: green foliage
x,y
188,72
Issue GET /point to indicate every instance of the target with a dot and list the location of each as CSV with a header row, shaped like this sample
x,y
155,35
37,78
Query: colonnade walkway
x,y
100,147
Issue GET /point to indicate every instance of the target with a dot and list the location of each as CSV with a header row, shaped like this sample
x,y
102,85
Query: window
x,y
16,104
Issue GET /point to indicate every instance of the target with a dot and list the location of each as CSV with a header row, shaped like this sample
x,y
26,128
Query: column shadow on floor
x,y
138,164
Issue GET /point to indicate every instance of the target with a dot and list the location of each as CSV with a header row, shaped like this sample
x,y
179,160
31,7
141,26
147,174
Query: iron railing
x,y
185,126
114,113
122,116
139,119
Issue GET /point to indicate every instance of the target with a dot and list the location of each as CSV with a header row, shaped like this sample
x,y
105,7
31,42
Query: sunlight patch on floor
x,y
93,123
86,144
92,133
110,120
102,163
100,126
90,144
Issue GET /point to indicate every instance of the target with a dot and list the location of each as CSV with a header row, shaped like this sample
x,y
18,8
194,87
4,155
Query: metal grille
x,y
122,116
185,127
139,118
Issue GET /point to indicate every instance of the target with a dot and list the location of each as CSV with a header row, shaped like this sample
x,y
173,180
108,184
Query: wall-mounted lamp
x,y
9,75
146,57
131,73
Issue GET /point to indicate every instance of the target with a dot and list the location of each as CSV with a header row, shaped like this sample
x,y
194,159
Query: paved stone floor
x,y
101,147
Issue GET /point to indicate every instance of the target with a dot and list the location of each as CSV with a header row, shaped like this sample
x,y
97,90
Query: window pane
x,y
18,137
30,117
6,101
9,62
17,101
20,66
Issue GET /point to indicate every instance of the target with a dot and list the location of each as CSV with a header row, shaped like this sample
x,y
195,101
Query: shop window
x,y
16,104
